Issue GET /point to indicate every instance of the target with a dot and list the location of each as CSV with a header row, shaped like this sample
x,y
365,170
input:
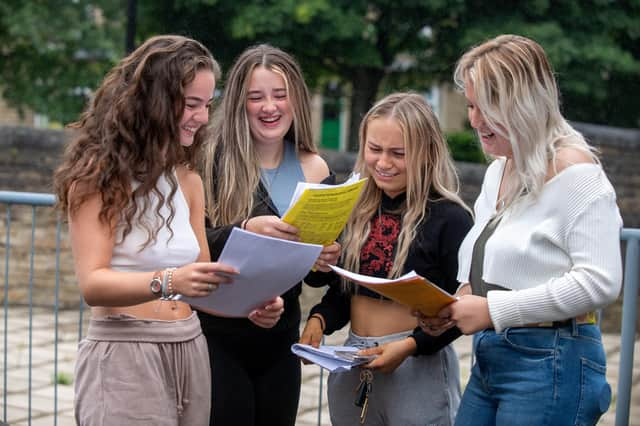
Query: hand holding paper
x,y
334,358
411,290
320,211
267,268
269,315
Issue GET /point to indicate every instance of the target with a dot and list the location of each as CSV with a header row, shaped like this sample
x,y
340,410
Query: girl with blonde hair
x,y
136,221
262,148
544,253
409,217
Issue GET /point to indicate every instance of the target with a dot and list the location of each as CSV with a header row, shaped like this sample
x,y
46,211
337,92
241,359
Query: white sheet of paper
x,y
325,356
268,267
369,279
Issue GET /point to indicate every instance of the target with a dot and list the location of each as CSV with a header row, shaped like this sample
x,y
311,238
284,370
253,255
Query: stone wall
x,y
11,116
28,157
619,153
620,156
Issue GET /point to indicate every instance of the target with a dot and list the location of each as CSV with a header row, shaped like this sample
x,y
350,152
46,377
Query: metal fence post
x,y
628,333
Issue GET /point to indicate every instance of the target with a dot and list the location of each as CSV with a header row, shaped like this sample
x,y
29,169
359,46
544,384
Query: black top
x,y
480,287
433,254
216,239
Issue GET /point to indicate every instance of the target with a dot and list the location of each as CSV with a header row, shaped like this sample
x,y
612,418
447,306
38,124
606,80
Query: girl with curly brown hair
x,y
136,219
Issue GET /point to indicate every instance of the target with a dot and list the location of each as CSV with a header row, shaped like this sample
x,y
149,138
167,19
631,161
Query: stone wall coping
x,y
20,136
600,135
595,133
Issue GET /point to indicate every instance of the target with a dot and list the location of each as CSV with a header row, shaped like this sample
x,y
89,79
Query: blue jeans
x,y
536,376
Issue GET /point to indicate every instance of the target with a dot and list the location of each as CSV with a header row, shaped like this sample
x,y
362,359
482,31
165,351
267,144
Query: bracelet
x,y
319,318
164,293
243,224
170,292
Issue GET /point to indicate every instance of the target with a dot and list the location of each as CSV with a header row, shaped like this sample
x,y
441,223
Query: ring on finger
x,y
212,287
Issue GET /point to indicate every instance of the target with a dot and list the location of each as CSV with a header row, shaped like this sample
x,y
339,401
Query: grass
x,y
63,378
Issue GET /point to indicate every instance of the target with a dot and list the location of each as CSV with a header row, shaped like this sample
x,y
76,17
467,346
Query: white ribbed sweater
x,y
560,254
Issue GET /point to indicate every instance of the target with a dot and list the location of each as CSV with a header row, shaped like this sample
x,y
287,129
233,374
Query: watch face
x,y
156,286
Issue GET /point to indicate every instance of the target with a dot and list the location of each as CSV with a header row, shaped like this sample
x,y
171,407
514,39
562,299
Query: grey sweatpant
x,y
143,372
423,390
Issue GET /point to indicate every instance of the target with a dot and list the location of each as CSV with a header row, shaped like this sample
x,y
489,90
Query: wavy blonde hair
x,y
516,90
231,168
130,133
428,167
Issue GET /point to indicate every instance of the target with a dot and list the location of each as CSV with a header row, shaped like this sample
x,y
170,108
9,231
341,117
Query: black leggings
x,y
255,381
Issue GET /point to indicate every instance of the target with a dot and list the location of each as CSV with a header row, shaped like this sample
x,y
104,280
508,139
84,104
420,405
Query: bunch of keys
x,y
363,390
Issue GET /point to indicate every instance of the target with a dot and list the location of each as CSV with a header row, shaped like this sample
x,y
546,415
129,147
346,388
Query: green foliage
x,y
56,52
464,146
63,378
593,45
376,46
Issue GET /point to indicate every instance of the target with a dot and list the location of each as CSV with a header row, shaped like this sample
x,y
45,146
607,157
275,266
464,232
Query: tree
x,y
356,41
593,45
389,45
54,53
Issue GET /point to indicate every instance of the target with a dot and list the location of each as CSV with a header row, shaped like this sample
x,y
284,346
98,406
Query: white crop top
x,y
167,250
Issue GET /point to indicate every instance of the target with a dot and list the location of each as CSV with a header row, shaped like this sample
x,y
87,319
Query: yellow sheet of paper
x,y
320,214
411,290
418,293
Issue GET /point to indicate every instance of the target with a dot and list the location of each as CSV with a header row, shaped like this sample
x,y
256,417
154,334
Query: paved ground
x,y
39,397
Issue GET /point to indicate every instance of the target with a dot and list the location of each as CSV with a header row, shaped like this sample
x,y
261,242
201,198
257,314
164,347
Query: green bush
x,y
464,146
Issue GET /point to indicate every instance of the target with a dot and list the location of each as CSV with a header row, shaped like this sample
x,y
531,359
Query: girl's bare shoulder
x,y
314,167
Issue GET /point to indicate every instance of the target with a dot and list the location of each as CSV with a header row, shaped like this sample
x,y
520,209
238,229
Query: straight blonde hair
x,y
516,91
428,167
231,168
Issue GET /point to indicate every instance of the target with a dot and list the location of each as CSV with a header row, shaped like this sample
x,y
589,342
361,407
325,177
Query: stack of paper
x,y
267,268
334,358
320,211
411,290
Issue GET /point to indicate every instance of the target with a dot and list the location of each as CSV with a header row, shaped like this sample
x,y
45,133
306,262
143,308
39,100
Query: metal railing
x,y
34,200
628,332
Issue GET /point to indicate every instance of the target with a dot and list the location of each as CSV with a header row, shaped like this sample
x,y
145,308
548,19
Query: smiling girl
x,y
409,217
136,221
262,148
544,253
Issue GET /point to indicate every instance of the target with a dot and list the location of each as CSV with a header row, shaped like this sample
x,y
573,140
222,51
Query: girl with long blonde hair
x,y
262,147
409,217
544,253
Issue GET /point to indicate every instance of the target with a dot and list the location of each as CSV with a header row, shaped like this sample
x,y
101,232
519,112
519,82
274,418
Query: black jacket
x,y
432,254
217,237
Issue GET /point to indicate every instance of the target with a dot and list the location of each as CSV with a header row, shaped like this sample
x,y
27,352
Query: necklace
x,y
270,176
500,203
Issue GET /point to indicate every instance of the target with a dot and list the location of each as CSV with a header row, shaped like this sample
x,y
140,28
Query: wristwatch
x,y
156,284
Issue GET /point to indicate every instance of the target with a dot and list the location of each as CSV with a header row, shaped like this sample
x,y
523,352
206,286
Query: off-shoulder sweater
x,y
558,254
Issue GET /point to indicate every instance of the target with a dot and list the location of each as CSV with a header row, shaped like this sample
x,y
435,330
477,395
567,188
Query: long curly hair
x,y
231,169
129,134
429,167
